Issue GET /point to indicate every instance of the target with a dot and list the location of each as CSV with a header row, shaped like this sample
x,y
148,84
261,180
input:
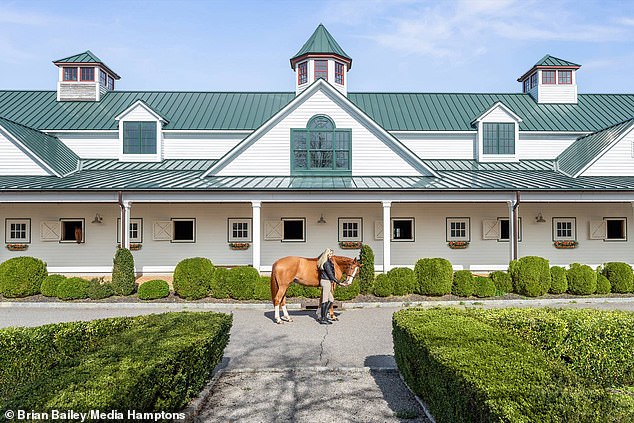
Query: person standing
x,y
326,270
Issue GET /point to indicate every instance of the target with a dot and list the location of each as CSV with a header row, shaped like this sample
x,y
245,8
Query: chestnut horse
x,y
304,271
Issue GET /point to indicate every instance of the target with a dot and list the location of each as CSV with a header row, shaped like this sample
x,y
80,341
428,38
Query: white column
x,y
255,231
125,223
387,235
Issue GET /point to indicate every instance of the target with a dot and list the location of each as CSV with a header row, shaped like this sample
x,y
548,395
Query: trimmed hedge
x,y
154,289
502,281
49,285
73,289
123,276
403,280
242,281
484,287
98,289
467,370
366,273
219,285
262,290
559,283
463,283
192,278
383,285
531,276
22,276
434,276
346,293
582,280
295,290
620,276
146,363
603,285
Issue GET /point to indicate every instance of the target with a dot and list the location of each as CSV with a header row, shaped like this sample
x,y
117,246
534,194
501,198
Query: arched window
x,y
321,148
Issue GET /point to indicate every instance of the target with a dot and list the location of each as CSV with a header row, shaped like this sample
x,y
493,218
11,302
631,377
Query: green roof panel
x,y
45,147
85,57
321,42
549,60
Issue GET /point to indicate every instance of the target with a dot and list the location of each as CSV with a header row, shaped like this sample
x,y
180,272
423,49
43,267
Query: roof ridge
x,y
27,127
630,119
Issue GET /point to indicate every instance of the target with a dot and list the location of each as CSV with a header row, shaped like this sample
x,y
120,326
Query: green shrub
x,y
434,276
219,284
346,293
366,273
531,276
157,363
49,285
383,285
21,276
262,290
123,272
403,280
242,281
603,285
463,283
73,289
582,280
484,287
559,283
502,281
192,278
620,276
295,290
98,289
311,292
154,289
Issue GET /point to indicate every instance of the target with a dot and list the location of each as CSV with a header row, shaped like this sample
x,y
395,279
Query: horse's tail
x,y
274,285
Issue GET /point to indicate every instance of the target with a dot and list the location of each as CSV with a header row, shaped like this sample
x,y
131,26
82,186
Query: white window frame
x,y
303,220
138,239
350,220
466,221
519,224
183,219
573,226
72,219
17,221
239,220
410,219
624,220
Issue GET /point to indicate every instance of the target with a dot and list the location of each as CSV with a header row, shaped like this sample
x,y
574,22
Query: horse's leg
x,y
331,311
274,296
285,317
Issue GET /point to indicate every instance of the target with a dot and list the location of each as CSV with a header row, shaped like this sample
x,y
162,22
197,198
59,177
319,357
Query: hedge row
x,y
147,363
470,371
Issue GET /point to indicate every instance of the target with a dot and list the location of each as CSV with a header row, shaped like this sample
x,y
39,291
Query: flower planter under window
x,y
458,245
133,247
239,245
350,245
565,245
17,247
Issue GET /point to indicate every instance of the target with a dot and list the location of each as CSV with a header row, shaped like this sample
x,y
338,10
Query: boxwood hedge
x,y
403,280
21,276
484,287
582,280
463,283
502,281
146,363
434,276
531,276
192,277
620,276
383,285
49,285
366,273
559,282
242,281
154,289
603,285
73,289
98,289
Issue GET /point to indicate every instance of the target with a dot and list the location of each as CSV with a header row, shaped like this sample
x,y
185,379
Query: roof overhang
x,y
534,68
98,64
298,59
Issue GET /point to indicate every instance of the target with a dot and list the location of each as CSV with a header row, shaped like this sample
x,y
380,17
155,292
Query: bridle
x,y
354,265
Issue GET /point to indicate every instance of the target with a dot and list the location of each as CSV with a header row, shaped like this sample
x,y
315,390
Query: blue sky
x,y
398,45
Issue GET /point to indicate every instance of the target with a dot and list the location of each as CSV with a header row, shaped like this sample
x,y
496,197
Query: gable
x,y
617,160
268,152
498,113
139,111
16,161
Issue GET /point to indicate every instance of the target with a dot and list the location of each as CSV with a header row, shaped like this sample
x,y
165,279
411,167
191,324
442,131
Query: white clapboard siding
x,y
270,154
14,161
618,161
139,113
438,146
497,115
91,145
198,146
542,146
557,93
378,230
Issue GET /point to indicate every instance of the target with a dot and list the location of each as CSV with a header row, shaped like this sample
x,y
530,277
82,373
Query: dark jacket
x,y
328,272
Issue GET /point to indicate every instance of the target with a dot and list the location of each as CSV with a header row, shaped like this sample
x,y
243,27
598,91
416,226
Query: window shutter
x,y
490,229
598,229
378,229
273,230
162,230
50,230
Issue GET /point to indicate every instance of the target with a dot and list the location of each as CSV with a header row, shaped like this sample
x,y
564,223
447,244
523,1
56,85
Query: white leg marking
x,y
277,314
286,316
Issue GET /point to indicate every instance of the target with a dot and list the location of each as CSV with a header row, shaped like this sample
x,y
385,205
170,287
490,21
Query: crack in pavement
x,y
321,347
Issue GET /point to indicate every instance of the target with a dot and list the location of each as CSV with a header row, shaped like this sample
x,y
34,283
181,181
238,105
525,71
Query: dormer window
x,y
498,138
110,85
70,74
321,69
527,86
565,77
87,74
321,148
139,137
302,73
533,80
548,77
102,78
339,73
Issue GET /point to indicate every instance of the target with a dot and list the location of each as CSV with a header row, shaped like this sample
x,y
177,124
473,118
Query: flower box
x,y
17,247
133,247
565,245
458,245
350,245
239,245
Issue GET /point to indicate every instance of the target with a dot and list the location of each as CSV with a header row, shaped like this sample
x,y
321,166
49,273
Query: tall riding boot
x,y
324,310
328,304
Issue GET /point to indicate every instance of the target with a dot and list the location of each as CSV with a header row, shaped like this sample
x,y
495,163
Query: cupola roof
x,y
321,43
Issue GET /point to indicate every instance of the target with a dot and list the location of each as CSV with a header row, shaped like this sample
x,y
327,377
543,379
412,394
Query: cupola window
x,y
321,69
548,77
70,74
321,148
339,73
87,74
565,77
302,73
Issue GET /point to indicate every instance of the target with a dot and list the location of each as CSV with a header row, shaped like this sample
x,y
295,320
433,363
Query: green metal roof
x,y
247,111
321,42
588,148
169,164
85,57
549,60
47,148
474,165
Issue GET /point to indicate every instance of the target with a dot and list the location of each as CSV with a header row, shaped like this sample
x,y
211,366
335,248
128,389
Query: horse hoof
x,y
334,319
287,319
279,321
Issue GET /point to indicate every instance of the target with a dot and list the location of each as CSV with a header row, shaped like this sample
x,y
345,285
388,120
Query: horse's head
x,y
349,266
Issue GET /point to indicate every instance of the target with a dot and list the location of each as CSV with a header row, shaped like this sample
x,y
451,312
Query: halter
x,y
350,276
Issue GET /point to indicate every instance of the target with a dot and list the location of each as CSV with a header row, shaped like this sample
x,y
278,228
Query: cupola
x,y
551,80
321,57
83,77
